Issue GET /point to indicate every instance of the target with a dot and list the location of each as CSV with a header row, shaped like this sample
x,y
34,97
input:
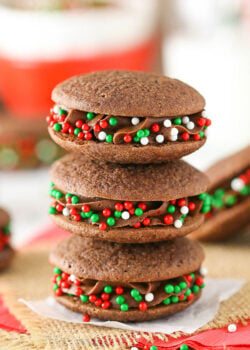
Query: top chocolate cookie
x,y
127,117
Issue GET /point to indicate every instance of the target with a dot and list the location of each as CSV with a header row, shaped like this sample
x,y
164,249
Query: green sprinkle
x,y
109,138
90,115
84,298
68,195
83,215
183,285
136,139
184,347
62,111
219,192
217,203
95,218
57,270
138,211
124,307
55,287
205,208
120,300
59,278
201,134
52,210
51,184
76,131
113,121
169,288
166,301
245,190
74,200
202,196
138,298
153,347
117,214
195,289
111,221
108,289
134,293
174,299
203,285
230,200
59,195
171,208
208,200
57,127
177,289
177,121
146,132
140,133
188,292
192,275
89,214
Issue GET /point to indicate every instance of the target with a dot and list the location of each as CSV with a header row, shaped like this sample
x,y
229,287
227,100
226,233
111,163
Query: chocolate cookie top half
x,y
128,117
88,178
126,93
105,261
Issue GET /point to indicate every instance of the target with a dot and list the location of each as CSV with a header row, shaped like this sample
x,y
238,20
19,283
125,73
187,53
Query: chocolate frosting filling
x,y
156,211
93,287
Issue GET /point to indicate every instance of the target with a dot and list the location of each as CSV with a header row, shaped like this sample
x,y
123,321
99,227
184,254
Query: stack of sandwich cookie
x,y
126,196
6,251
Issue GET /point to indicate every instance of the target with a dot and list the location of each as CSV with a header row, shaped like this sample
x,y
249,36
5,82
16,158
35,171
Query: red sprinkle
x,y
65,276
197,137
71,130
77,217
189,278
132,211
201,121
190,297
173,202
86,318
168,219
146,222
103,124
61,117
64,284
208,122
185,136
85,127
181,297
59,208
127,138
97,128
199,281
92,298
79,123
181,202
80,135
106,304
142,206
155,127
106,212
98,302
105,296
191,206
59,292
119,290
103,226
143,306
88,136
137,225
73,211
85,208
78,291
77,282
119,207
128,205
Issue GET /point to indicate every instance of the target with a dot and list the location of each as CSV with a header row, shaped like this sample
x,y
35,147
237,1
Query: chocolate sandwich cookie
x,y
227,205
25,144
133,203
128,117
6,252
126,282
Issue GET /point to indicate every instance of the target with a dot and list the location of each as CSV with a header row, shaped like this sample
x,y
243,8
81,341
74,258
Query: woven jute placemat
x,y
30,275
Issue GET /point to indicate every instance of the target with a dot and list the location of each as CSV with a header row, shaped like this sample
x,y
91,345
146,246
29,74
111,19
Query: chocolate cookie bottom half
x,y
120,282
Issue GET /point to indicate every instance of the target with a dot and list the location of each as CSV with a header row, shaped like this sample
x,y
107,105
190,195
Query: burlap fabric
x,y
29,277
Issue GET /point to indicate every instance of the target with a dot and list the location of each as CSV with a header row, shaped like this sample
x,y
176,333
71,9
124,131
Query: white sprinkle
x,y
174,132
56,109
135,121
149,297
159,138
204,114
167,123
184,210
185,119
207,132
203,271
102,135
237,184
232,328
72,278
134,348
173,138
144,141
178,223
66,211
125,215
190,125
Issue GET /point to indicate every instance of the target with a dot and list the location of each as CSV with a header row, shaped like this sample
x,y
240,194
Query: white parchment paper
x,y
188,321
